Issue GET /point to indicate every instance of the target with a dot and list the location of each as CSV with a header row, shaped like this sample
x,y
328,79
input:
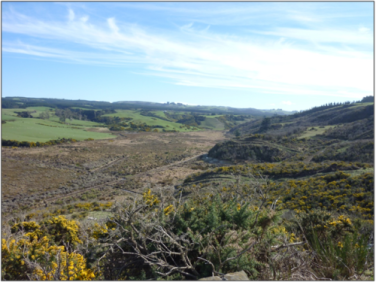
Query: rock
x,y
236,276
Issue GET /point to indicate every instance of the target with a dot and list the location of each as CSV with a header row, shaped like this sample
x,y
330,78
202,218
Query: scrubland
x,y
290,198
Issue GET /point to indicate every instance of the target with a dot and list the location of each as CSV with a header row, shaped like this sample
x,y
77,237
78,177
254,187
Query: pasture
x,y
35,129
137,118
315,130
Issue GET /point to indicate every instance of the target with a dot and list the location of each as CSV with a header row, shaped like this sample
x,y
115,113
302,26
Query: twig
x,y
287,245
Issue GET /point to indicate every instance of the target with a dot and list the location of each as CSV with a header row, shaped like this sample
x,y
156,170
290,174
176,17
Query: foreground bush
x,y
161,235
44,251
172,240
33,259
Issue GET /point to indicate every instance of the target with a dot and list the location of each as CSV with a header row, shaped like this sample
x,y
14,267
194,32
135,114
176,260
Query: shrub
x,y
37,260
184,237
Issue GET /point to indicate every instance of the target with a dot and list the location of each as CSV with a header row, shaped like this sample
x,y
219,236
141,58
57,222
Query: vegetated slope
x,y
345,132
211,109
212,123
252,148
42,123
23,102
337,186
320,116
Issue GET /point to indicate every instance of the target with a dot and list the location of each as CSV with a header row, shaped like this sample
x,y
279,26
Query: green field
x,y
362,104
137,118
317,131
212,123
35,129
42,130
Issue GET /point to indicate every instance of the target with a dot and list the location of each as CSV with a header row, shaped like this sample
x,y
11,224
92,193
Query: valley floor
x,y
36,176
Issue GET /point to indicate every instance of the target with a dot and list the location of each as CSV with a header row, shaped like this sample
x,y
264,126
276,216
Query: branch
x,y
287,245
212,265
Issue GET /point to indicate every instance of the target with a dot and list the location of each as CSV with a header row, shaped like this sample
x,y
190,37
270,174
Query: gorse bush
x,y
37,260
58,229
167,239
44,252
341,259
15,143
163,234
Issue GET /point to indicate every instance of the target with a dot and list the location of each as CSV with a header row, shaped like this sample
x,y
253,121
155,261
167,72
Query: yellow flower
x,y
168,210
340,245
238,207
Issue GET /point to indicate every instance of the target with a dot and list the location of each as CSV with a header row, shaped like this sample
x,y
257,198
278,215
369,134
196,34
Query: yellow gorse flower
x,y
292,238
13,263
168,210
150,199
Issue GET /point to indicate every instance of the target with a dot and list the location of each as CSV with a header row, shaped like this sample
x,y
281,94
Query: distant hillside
x,y
326,115
22,102
333,132
212,109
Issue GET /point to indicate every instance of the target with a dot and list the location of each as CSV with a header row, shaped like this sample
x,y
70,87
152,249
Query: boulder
x,y
236,276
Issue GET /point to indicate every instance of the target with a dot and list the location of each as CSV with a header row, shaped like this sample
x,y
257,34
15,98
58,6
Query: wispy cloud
x,y
277,62
353,37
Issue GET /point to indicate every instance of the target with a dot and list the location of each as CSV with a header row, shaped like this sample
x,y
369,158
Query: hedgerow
x,y
15,143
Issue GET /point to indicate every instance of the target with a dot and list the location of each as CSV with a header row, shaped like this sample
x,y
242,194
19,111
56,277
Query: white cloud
x,y
197,57
287,103
85,19
71,15
364,30
325,35
112,25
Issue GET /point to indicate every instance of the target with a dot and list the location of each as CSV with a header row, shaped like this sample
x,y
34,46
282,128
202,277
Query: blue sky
x,y
289,55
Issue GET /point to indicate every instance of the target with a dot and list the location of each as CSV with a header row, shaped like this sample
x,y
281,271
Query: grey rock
x,y
236,276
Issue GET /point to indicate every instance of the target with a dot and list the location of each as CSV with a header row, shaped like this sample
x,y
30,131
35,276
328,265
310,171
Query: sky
x,y
264,55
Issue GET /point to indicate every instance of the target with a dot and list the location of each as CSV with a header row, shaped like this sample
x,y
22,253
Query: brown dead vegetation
x,y
39,176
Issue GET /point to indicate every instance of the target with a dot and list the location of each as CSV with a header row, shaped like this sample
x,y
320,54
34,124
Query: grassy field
x,y
362,104
316,131
137,118
212,123
34,129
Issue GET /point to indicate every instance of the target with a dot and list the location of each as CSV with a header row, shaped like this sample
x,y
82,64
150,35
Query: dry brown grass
x,y
37,173
20,178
